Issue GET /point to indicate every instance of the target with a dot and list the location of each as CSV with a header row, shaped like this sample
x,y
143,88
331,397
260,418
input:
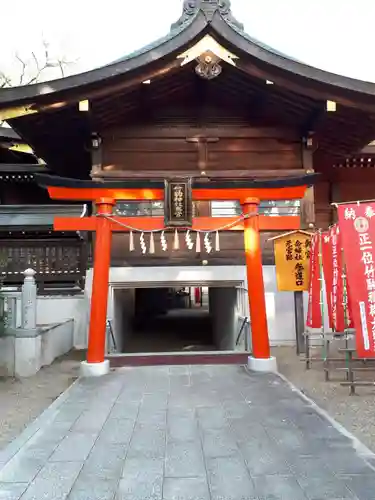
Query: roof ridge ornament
x,y
208,53
208,7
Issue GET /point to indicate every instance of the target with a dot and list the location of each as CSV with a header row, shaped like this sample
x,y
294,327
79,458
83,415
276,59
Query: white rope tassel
x,y
142,243
176,244
207,243
131,242
198,243
189,241
163,242
217,242
152,244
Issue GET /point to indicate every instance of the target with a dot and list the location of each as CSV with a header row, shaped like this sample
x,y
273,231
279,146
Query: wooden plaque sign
x,y
292,259
178,208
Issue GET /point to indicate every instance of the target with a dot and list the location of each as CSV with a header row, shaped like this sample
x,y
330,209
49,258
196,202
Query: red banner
x,y
340,300
314,313
357,229
339,316
328,272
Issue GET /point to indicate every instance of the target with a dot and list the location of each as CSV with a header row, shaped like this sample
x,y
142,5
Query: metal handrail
x,y
246,320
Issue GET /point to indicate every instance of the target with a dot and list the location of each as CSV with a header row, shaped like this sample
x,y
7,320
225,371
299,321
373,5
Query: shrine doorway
x,y
167,320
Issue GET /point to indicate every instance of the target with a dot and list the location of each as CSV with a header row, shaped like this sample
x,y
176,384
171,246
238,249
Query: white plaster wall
x,y
56,341
58,309
28,356
224,315
23,356
123,312
279,307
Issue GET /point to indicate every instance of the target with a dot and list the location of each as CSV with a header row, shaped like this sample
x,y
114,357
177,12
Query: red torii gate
x,y
103,223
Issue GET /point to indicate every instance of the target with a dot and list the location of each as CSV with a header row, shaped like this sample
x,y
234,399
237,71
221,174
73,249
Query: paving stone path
x,y
184,433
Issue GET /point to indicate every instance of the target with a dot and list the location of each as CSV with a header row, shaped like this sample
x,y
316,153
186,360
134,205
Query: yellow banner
x,y
292,259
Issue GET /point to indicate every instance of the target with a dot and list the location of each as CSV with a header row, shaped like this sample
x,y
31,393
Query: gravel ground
x,y
21,401
356,413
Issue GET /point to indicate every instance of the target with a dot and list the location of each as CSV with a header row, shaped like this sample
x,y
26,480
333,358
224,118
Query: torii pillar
x,y
261,359
96,365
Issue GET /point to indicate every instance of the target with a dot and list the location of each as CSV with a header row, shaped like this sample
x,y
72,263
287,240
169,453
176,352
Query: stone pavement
x,y
184,433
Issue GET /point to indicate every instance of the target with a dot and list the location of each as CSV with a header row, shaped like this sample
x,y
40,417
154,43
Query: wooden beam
x,y
307,202
133,172
61,193
287,193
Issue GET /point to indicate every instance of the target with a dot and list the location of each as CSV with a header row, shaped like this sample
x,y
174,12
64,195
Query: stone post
x,y
29,297
28,342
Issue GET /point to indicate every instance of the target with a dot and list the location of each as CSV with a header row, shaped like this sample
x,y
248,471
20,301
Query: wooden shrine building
x,y
27,238
207,103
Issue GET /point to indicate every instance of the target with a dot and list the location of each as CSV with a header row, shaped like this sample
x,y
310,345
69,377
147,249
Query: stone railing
x,y
22,350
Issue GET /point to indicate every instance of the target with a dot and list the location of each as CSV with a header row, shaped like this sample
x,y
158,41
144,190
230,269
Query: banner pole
x,y
346,316
320,256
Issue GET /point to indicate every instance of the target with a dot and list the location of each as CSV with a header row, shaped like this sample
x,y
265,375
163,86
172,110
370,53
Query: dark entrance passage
x,y
174,330
171,322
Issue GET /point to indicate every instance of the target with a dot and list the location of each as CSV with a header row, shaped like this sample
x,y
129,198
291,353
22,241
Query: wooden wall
x,y
223,145
340,185
222,142
231,251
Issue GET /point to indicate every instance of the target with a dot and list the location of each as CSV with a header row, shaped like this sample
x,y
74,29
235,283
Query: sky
x,y
334,35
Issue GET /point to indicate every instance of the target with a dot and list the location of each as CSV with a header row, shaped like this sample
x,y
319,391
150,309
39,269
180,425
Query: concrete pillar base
x,y
268,365
94,369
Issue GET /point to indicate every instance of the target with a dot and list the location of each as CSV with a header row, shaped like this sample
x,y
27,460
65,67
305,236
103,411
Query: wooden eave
x,y
299,91
254,58
23,168
363,159
35,216
302,179
293,74
7,134
136,68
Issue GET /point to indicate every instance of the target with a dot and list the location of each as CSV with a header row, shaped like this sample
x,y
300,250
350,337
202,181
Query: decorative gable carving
x,y
208,7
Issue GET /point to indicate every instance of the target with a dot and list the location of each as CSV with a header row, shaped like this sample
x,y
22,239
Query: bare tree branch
x,y
23,69
32,69
5,81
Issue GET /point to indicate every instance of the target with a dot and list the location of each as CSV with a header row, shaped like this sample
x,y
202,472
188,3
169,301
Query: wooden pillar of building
x,y
96,363
255,286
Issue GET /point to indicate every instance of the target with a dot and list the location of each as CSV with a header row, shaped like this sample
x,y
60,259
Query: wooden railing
x,y
54,260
